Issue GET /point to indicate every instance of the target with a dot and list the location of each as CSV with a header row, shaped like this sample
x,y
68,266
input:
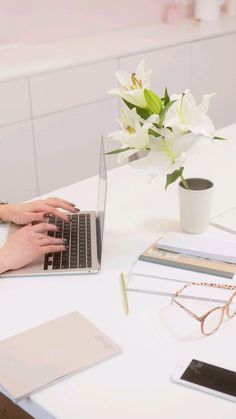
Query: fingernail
x,y
65,240
77,209
73,205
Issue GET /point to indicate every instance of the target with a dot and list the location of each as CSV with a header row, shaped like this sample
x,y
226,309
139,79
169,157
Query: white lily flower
x,y
168,131
133,85
189,116
169,151
134,134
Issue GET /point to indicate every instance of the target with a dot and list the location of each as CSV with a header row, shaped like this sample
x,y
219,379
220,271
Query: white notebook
x,y
201,246
163,280
226,220
47,353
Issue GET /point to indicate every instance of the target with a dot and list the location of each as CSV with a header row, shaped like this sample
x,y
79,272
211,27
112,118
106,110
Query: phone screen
x,y
210,376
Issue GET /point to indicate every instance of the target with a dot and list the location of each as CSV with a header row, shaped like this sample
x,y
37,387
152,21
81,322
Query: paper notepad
x,y
226,220
201,246
40,356
163,280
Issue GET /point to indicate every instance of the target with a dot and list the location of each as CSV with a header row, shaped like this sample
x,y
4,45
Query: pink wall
x,y
42,20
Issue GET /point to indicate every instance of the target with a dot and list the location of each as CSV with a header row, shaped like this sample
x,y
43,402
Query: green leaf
x,y
144,113
166,98
118,150
154,133
130,105
220,138
164,112
153,101
172,177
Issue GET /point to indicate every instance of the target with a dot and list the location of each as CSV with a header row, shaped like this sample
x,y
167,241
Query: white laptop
x,y
84,235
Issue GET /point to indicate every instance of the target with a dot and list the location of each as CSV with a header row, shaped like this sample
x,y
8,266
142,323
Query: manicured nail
x,y
77,209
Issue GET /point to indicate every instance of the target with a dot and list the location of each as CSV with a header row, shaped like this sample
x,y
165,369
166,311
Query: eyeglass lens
x,y
212,321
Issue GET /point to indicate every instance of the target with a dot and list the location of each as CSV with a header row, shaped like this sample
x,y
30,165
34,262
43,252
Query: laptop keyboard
x,y
77,233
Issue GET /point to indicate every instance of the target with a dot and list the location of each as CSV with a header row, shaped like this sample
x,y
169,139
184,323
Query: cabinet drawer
x,y
170,68
17,162
68,143
14,101
72,87
214,71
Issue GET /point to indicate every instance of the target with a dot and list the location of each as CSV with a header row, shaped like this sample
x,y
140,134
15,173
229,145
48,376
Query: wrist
x,y
4,210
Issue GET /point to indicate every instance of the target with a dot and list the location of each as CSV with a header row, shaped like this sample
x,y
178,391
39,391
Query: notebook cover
x,y
59,348
154,255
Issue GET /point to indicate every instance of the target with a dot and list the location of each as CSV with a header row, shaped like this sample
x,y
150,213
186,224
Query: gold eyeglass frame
x,y
224,308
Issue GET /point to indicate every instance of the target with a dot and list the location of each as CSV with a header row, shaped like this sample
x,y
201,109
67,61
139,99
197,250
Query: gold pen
x,y
124,294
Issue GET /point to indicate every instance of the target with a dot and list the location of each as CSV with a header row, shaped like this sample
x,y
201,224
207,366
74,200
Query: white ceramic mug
x,y
207,9
195,205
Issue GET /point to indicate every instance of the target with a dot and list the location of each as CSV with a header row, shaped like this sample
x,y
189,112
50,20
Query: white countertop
x,y
21,60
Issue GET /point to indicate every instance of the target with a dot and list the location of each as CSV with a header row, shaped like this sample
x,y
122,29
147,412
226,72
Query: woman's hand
x,y
27,244
35,210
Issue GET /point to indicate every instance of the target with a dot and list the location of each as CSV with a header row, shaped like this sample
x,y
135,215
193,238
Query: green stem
x,y
184,182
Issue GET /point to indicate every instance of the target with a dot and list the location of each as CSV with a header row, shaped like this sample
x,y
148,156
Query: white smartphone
x,y
208,378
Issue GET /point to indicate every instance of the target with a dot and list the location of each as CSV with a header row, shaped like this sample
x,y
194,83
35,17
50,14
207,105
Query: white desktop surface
x,y
135,384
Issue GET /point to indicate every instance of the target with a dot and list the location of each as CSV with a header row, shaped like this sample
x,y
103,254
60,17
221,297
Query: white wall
x,y
40,20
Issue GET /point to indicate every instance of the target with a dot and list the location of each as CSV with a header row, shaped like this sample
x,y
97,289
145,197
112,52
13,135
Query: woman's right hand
x,y
27,244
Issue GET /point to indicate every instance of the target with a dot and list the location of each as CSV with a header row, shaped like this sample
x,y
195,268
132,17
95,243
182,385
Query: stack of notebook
x,y
180,258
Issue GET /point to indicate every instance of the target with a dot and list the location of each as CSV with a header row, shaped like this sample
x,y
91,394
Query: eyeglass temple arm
x,y
206,284
213,285
186,309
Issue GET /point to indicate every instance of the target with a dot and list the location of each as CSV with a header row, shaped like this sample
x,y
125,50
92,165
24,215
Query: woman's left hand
x,y
36,211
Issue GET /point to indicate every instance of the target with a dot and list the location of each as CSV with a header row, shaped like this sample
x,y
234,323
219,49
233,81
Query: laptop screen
x,y
102,190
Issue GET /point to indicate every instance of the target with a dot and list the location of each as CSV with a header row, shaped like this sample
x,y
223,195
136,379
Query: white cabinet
x,y
72,87
70,110
17,163
170,67
67,143
213,70
14,101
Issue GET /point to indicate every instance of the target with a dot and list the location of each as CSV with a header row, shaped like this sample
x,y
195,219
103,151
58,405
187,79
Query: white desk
x,y
136,384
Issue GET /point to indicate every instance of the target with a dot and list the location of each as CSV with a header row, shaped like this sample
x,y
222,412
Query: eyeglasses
x,y
212,319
